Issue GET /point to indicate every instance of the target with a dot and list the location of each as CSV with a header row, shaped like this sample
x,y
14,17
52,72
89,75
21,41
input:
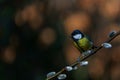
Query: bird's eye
x,y
77,36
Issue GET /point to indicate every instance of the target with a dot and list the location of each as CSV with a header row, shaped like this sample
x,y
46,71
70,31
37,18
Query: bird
x,y
82,42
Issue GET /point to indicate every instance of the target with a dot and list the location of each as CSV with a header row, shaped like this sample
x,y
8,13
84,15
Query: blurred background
x,y
34,38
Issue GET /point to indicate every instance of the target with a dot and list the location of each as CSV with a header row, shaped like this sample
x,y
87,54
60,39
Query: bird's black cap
x,y
76,32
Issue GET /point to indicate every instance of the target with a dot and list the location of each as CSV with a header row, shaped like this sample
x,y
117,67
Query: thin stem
x,y
84,57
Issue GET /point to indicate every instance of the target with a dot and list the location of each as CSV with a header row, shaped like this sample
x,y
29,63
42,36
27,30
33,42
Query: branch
x,y
82,58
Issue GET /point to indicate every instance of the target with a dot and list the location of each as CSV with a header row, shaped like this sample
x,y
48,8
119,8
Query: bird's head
x,y
76,35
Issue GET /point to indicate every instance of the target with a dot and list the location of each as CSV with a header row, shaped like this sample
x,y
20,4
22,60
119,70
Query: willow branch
x,y
82,58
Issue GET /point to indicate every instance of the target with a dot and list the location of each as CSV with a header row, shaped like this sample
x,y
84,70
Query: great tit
x,y
81,41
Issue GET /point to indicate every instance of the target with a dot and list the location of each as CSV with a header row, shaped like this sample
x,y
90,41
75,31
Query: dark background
x,y
34,38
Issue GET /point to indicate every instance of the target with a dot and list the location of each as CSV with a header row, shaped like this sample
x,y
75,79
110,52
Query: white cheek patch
x,y
77,36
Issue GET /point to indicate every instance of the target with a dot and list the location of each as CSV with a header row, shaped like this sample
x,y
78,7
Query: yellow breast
x,y
84,43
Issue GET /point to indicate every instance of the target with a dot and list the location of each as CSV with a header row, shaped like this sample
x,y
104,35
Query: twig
x,y
82,58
